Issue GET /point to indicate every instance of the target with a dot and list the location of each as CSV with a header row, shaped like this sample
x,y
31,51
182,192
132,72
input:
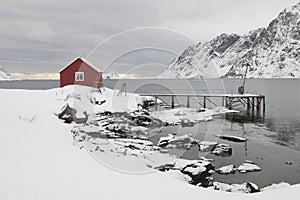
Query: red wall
x,y
67,76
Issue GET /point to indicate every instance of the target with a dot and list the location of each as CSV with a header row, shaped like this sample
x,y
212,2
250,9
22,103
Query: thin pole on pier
x,y
187,101
172,101
204,102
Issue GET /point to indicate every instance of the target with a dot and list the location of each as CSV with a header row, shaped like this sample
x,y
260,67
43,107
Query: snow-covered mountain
x,y
4,75
111,76
272,52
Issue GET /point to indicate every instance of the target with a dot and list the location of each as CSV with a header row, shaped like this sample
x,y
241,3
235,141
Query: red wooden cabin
x,y
80,72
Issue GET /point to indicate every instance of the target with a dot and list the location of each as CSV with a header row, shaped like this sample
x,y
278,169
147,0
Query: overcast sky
x,y
39,37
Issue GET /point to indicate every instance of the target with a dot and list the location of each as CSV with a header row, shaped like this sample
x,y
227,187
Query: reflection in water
x,y
246,117
268,149
281,136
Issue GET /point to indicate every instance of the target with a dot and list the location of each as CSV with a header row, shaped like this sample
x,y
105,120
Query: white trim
x,y
76,75
84,60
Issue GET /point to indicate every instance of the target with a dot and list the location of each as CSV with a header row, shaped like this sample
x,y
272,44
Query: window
x,y
79,76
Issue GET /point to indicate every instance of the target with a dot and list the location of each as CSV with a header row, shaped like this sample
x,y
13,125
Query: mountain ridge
x,y
270,52
4,75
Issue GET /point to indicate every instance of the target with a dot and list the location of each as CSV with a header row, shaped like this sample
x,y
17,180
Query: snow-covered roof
x,y
84,60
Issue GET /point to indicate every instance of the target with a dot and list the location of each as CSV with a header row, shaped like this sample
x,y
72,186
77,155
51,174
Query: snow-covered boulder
x,y
248,167
70,115
173,141
199,172
205,146
229,169
223,150
237,188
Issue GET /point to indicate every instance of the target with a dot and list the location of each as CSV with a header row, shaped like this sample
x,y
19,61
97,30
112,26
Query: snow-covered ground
x,y
40,161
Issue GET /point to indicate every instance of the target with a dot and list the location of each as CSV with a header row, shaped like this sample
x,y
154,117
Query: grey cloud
x,y
50,33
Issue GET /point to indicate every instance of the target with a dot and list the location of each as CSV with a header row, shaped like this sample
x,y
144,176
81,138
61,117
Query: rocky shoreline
x,y
127,134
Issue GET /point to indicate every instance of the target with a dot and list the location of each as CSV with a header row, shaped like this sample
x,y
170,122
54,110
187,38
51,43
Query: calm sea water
x,y
282,97
273,138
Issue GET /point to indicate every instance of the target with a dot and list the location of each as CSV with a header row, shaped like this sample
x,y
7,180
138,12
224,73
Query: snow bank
x,y
85,99
40,161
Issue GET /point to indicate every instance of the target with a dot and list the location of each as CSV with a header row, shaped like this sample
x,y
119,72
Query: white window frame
x,y
77,75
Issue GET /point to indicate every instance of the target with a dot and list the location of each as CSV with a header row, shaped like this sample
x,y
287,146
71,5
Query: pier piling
x,y
230,101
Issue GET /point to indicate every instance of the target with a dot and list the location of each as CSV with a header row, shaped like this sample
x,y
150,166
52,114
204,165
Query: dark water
x,y
273,138
30,84
282,97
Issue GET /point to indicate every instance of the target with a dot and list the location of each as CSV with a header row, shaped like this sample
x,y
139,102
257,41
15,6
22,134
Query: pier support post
x,y
248,103
264,104
258,100
204,102
188,101
172,104
229,103
253,103
223,99
155,102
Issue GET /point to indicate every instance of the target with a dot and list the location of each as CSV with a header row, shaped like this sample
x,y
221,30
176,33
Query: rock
x,y
107,113
248,167
238,188
165,167
81,120
288,162
97,102
199,172
207,183
252,188
133,146
172,141
141,117
186,123
117,128
229,169
223,150
232,138
68,114
206,146
249,161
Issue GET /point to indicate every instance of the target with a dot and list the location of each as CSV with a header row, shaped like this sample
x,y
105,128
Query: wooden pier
x,y
230,101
